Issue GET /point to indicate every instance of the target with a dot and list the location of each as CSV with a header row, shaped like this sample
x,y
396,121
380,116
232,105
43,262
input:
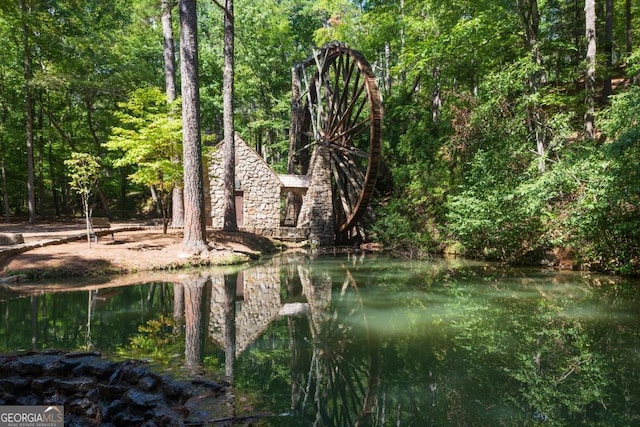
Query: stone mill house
x,y
259,193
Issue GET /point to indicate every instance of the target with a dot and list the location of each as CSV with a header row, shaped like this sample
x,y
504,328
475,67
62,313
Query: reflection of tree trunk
x,y
229,326
193,318
178,307
296,325
318,294
150,295
294,361
88,338
34,322
373,382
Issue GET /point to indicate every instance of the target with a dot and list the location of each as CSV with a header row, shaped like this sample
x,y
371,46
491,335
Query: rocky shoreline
x,y
99,392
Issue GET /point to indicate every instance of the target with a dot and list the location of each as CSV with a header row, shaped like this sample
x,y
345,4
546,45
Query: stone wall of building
x,y
258,184
317,204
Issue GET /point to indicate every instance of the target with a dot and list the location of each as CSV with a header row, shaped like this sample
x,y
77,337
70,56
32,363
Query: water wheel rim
x,y
352,188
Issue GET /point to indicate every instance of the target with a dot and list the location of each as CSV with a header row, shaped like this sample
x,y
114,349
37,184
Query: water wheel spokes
x,y
344,113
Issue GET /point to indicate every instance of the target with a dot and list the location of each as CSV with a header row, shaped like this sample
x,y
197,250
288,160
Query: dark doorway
x,y
239,208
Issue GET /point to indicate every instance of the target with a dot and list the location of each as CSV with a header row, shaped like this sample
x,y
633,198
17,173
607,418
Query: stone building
x,y
257,191
259,194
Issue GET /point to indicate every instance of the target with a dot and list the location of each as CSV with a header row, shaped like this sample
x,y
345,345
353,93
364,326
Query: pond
x,y
369,340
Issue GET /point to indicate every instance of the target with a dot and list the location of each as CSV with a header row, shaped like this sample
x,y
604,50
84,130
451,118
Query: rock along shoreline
x,y
99,392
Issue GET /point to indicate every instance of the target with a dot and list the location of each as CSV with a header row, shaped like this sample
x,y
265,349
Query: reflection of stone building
x,y
257,302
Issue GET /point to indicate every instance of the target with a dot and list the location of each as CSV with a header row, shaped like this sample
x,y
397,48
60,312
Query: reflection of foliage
x,y
277,375
459,345
526,350
212,364
555,371
62,319
482,346
155,340
265,367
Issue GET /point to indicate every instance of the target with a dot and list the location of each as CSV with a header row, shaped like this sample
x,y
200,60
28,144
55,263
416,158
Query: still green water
x,y
336,341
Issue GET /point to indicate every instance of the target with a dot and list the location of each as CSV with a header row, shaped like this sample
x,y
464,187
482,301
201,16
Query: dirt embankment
x,y
128,252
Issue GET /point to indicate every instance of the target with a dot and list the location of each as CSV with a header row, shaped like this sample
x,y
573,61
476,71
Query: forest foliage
x,y
485,152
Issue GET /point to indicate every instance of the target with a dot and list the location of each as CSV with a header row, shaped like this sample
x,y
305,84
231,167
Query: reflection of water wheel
x,y
343,112
344,372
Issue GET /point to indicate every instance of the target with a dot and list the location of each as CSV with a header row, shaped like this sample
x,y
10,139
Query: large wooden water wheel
x,y
337,105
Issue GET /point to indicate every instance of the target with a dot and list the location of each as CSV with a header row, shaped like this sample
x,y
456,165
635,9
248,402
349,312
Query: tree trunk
x,y
295,133
124,186
403,72
169,52
5,193
87,217
28,103
387,69
52,177
156,199
436,97
628,29
530,17
608,49
88,102
230,222
194,229
104,202
576,56
39,158
177,204
590,77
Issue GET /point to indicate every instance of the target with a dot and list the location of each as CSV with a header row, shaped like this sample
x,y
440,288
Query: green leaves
x,y
84,172
149,138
